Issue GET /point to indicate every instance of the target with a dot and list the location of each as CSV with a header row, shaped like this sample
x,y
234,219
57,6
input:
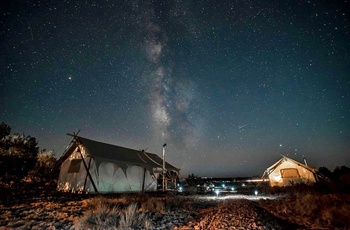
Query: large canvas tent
x,y
90,166
287,172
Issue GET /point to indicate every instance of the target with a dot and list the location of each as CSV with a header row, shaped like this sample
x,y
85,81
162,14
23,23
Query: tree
x,y
5,130
18,154
340,172
325,172
44,169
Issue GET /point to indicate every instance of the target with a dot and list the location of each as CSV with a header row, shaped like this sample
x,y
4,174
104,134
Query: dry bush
x,y
327,210
140,198
265,188
97,201
105,213
176,203
99,216
154,205
306,204
333,211
131,218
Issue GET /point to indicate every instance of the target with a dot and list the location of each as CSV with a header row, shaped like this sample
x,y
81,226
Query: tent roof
x,y
108,152
270,169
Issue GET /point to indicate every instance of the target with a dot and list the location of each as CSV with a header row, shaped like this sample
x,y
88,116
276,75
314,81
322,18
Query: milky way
x,y
171,95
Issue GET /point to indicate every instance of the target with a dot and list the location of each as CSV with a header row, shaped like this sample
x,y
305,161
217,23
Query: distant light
x,y
223,185
217,192
256,192
243,185
232,188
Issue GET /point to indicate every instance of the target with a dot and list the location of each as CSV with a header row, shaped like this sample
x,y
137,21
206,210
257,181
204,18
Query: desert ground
x,y
45,208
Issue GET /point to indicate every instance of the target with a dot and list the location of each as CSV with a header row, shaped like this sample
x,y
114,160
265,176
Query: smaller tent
x,y
90,166
287,172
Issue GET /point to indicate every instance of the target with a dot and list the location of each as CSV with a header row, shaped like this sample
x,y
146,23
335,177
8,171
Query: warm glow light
x,y
277,178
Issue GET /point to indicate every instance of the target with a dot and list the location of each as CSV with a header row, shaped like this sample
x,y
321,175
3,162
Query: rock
x,y
3,223
58,225
17,224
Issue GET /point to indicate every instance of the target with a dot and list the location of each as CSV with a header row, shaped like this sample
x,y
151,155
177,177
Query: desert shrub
x,y
138,198
5,130
93,203
306,204
325,209
317,204
265,188
131,218
105,213
342,178
193,180
176,203
100,216
18,155
45,170
154,205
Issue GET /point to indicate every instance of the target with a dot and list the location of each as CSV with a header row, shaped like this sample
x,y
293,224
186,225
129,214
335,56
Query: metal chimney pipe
x,y
304,160
164,167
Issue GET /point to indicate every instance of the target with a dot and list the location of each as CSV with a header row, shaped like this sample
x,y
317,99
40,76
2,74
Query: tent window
x,y
289,172
74,166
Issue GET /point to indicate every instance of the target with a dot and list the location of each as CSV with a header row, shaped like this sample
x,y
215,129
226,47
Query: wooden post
x,y
87,175
87,170
144,178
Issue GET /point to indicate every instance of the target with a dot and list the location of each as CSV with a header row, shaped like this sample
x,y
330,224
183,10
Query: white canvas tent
x,y
287,172
90,166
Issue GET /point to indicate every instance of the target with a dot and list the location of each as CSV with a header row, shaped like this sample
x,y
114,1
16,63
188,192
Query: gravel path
x,y
238,214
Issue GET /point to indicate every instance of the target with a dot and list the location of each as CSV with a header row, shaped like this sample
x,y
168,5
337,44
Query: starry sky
x,y
228,85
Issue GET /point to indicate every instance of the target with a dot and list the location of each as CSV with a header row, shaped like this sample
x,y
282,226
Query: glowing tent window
x,y
74,166
290,172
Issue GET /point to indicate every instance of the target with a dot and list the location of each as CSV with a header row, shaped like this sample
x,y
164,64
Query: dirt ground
x,y
42,208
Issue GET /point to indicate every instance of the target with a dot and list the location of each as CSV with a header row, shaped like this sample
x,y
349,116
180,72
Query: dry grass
x,y
325,209
312,209
106,213
131,218
153,204
128,211
176,203
99,216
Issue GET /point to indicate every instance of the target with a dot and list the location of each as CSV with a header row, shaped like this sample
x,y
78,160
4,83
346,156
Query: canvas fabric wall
x,y
109,178
288,173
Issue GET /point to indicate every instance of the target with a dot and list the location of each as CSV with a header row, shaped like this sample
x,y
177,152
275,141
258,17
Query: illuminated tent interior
x,y
90,166
287,172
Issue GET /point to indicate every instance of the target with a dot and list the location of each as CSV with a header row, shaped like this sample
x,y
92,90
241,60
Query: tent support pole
x,y
144,178
87,174
87,170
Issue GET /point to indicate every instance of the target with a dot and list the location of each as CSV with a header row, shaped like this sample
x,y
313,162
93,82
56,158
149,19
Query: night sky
x,y
228,85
